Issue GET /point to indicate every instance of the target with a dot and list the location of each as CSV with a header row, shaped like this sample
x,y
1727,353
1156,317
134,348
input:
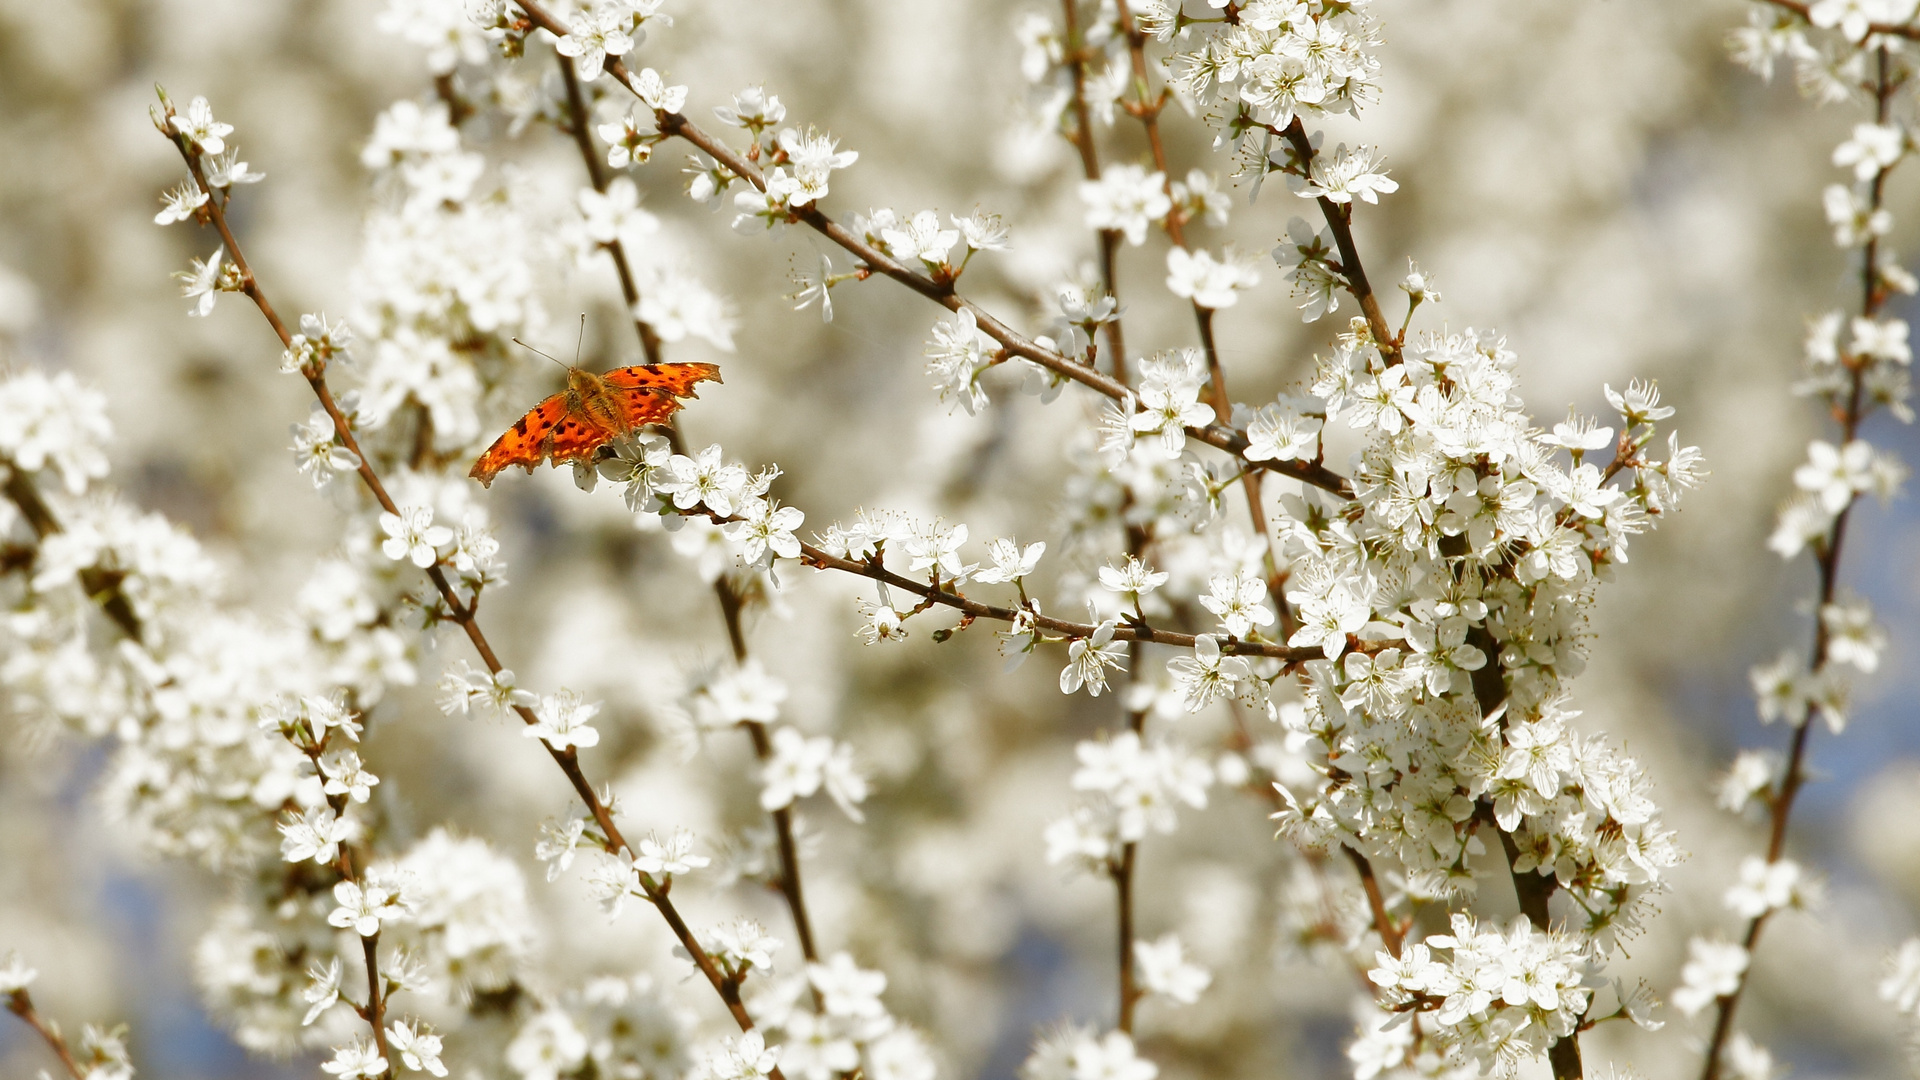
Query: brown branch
x,y
1340,221
463,615
374,1012
1130,992
1533,891
458,107
20,1004
1390,932
1128,631
1082,140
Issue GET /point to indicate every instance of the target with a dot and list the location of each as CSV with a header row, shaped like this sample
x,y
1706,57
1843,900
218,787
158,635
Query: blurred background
x,y
1593,179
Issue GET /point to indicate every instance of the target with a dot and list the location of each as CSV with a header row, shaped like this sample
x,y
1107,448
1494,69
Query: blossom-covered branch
x,y
313,367
674,123
727,596
1852,379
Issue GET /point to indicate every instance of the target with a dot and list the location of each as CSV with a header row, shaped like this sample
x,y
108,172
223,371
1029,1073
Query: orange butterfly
x,y
592,411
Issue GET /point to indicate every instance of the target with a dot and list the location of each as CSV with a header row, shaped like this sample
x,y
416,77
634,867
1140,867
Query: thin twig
x,y
1129,631
20,1004
1391,934
1123,886
1082,140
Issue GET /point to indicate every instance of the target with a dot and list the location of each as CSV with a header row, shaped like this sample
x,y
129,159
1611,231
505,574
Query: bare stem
x,y
374,1012
1082,140
1390,933
1123,886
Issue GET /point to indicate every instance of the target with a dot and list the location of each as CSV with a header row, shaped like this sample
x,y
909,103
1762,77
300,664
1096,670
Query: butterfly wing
x,y
675,379
550,429
648,406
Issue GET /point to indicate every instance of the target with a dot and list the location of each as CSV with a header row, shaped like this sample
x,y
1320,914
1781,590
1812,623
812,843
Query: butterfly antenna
x,y
531,349
580,339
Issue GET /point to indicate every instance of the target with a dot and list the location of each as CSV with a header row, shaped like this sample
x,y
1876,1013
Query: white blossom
x,y
800,766
616,215
982,231
322,991
956,356
1713,970
742,945
593,36
417,1045
548,1045
1164,969
1208,281
1873,148
1088,659
412,536
1766,886
1348,174
563,721
198,125
675,856
356,1059
1239,602
814,156
1126,199
845,988
1901,987
363,906
313,834
654,92
921,238
16,975
742,1057
204,283
1011,562
1283,430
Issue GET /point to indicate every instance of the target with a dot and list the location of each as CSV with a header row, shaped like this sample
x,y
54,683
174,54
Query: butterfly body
x,y
592,411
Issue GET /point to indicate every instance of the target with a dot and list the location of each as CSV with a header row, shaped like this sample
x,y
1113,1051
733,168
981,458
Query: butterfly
x,y
592,411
